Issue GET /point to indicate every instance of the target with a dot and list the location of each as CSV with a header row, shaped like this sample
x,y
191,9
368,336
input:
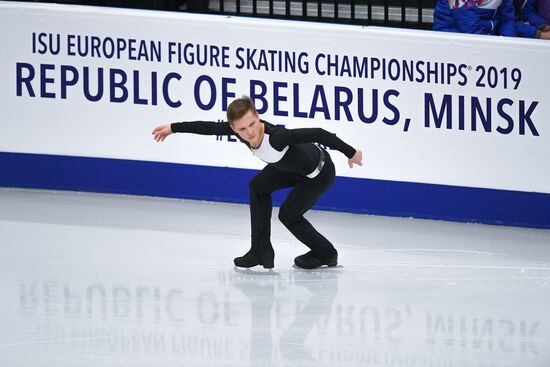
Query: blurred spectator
x,y
544,10
495,17
530,24
534,12
444,20
476,16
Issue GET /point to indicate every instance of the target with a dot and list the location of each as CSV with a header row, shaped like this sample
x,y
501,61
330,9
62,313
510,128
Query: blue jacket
x,y
530,12
476,16
526,30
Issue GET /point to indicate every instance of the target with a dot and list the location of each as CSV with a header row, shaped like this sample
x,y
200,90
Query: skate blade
x,y
256,270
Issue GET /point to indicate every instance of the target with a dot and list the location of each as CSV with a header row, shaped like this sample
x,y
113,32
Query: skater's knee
x,y
255,184
258,185
287,216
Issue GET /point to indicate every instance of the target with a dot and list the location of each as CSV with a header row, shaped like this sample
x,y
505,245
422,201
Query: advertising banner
x,y
424,107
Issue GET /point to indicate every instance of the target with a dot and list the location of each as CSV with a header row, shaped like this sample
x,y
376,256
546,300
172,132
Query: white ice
x,y
107,280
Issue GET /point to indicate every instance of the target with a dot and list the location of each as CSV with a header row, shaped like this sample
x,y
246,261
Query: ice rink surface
x,y
107,280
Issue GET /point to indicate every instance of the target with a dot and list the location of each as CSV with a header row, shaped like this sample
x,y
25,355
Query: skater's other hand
x,y
356,159
161,132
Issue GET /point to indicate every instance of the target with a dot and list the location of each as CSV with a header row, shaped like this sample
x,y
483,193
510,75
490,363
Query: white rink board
x,y
512,70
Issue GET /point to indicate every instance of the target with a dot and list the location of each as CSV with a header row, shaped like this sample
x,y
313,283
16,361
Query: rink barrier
x,y
364,196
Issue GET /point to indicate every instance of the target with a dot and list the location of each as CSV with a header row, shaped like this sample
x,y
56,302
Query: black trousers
x,y
304,194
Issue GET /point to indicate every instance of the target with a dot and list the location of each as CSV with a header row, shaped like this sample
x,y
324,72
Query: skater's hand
x,y
356,159
161,132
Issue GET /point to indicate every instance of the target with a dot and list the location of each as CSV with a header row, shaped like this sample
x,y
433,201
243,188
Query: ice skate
x,y
249,260
310,261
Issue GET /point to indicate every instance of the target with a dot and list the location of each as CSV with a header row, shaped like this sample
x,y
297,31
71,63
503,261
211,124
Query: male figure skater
x,y
292,161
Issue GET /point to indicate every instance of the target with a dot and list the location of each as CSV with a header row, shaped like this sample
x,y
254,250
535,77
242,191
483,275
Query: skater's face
x,y
248,128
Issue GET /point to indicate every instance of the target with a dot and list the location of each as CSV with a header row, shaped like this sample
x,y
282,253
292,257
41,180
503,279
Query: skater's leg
x,y
302,197
261,187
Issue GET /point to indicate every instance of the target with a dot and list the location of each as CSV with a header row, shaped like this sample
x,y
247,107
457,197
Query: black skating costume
x,y
293,160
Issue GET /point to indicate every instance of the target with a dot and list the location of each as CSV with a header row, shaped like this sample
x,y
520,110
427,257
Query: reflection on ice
x,y
80,293
294,316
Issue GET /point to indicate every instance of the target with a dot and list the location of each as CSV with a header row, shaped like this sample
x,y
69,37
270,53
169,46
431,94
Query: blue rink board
x,y
366,196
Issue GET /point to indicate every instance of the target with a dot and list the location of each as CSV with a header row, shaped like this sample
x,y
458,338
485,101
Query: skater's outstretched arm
x,y
286,137
194,127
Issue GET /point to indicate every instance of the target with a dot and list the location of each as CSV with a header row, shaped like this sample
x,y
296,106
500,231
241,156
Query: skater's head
x,y
239,107
244,120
